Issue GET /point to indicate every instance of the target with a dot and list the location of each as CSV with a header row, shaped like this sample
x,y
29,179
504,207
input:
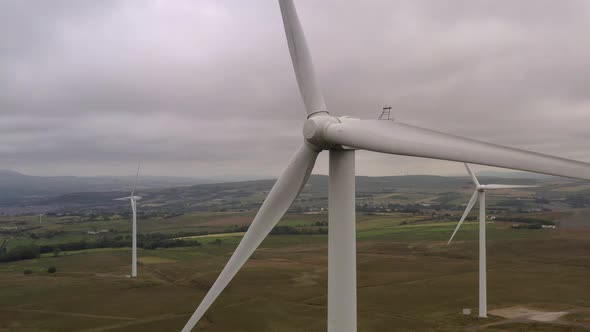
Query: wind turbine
x,y
342,136
133,199
480,193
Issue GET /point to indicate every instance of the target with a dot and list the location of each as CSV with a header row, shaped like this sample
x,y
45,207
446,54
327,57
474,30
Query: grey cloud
x,y
193,87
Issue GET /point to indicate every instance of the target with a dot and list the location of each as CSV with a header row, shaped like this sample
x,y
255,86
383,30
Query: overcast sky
x,y
206,88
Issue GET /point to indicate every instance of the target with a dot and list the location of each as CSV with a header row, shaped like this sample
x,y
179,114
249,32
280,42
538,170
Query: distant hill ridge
x,y
17,185
37,194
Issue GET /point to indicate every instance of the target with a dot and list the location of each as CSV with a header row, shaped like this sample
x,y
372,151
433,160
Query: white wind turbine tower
x,y
133,199
342,136
480,193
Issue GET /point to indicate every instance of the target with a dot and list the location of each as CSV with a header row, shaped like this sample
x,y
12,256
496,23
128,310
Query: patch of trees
x,y
47,235
145,241
578,201
289,230
528,226
18,230
170,243
542,200
512,202
415,209
160,240
21,253
409,222
73,217
292,230
526,220
171,215
440,217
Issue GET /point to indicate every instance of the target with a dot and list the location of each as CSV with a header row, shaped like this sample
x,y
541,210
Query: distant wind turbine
x,y
133,199
480,193
341,136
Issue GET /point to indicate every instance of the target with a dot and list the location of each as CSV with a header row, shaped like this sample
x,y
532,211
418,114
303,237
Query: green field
x,y
408,279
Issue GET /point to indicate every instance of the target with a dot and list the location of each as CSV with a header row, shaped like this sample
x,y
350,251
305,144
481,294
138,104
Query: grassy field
x,y
408,278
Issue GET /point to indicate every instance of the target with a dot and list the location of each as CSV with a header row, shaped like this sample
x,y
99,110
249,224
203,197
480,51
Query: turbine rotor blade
x,y
279,199
403,139
465,214
301,59
506,186
473,177
136,178
121,199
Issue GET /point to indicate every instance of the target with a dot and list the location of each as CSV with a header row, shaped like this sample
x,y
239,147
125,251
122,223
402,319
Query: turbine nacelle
x,y
314,129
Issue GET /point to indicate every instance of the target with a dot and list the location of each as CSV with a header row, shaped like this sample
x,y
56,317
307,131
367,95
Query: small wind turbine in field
x,y
341,136
133,200
480,193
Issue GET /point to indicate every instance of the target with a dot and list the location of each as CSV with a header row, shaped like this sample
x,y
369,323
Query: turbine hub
x,y
314,127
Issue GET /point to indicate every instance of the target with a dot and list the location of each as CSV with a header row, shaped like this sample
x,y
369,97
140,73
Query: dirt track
x,y
520,314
